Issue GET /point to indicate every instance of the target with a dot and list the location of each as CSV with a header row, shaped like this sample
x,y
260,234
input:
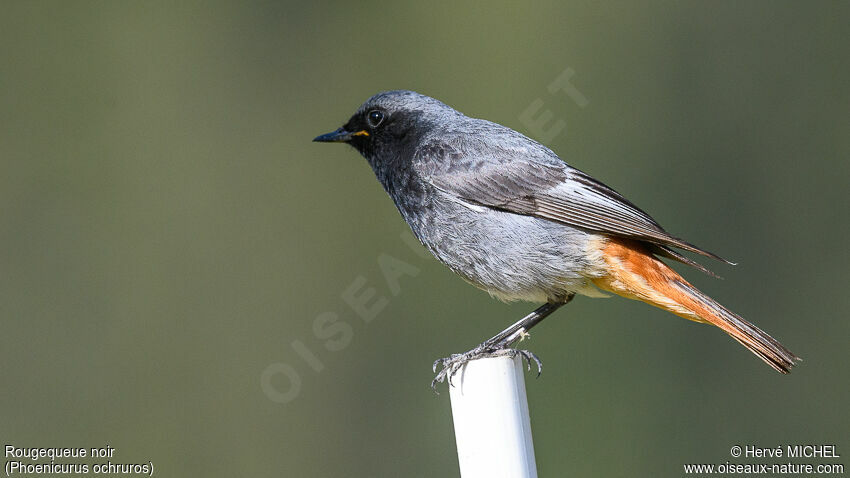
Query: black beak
x,y
339,136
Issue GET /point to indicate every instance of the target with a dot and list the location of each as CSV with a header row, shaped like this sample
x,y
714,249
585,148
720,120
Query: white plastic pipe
x,y
492,427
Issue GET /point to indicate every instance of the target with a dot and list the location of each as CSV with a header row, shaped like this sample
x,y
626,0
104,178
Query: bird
x,y
509,216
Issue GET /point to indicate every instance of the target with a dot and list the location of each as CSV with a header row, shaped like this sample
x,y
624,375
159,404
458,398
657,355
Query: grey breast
x,y
512,256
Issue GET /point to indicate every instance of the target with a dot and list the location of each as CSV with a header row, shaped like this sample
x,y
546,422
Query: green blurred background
x,y
168,230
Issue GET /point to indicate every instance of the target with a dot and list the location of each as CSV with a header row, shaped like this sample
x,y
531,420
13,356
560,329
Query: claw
x,y
436,362
437,379
528,357
450,365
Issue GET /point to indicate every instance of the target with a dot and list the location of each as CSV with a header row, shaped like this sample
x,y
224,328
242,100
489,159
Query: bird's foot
x,y
450,365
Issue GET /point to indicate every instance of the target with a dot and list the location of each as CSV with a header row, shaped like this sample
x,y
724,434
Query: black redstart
x,y
510,217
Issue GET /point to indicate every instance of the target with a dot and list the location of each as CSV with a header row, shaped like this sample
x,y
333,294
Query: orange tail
x,y
633,272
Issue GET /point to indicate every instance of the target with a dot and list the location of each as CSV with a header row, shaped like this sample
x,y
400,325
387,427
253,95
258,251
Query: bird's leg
x,y
498,345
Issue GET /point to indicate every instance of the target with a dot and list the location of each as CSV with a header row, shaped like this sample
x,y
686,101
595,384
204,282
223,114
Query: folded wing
x,y
531,180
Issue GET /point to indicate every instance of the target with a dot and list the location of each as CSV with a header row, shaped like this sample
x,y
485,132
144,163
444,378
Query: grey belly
x,y
513,257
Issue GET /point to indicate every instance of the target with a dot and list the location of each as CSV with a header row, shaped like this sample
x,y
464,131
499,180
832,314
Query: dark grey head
x,y
390,123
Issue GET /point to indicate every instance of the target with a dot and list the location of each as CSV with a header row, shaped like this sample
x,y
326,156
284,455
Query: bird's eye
x,y
375,118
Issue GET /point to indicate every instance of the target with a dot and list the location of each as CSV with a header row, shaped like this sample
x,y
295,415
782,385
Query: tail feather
x,y
753,338
635,273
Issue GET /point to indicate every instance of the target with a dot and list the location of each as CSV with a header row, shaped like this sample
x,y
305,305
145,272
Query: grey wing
x,y
531,180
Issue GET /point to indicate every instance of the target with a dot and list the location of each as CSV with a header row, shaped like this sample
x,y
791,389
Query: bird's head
x,y
389,124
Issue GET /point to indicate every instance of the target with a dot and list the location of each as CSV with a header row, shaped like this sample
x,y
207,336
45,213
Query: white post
x,y
492,427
